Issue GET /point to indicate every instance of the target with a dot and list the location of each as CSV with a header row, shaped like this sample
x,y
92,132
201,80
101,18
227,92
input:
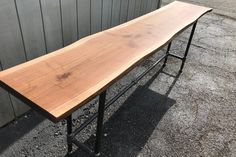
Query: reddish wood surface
x,y
59,83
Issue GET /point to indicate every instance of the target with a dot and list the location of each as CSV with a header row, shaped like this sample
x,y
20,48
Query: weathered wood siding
x,y
31,28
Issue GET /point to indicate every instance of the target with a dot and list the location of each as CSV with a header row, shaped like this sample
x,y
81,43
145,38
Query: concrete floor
x,y
190,115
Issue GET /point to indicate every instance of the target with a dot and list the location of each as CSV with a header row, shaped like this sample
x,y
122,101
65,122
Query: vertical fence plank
x,y
12,50
116,12
137,8
149,6
11,46
84,17
6,110
154,5
159,3
32,27
106,14
131,9
96,15
124,10
143,7
69,21
52,24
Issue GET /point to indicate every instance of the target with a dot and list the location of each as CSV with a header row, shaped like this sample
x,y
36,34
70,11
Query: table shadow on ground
x,y
130,127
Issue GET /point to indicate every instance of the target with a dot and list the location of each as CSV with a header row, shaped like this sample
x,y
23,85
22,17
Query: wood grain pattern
x,y
61,82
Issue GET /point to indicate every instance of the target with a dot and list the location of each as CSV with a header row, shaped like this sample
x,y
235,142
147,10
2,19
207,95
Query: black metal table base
x,y
103,105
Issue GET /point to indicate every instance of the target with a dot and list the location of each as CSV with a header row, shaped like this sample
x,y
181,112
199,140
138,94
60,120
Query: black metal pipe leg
x,y
101,107
167,53
188,46
69,131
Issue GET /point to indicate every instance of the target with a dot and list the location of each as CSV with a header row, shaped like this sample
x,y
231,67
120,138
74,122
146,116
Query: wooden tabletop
x,y
60,82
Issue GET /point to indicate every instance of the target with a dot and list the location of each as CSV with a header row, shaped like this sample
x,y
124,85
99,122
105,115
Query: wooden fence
x,y
31,28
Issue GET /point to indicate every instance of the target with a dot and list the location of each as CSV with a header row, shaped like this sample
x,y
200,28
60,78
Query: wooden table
x,y
59,83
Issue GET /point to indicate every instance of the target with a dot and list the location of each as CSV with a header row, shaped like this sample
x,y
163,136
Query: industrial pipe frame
x,y
102,106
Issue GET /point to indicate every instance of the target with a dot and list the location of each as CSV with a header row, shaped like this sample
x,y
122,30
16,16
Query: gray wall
x,y
31,28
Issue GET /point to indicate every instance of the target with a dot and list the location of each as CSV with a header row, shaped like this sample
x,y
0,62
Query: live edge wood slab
x,y
60,82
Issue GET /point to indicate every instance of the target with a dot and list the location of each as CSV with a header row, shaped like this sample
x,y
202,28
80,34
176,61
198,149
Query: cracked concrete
x,y
165,115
